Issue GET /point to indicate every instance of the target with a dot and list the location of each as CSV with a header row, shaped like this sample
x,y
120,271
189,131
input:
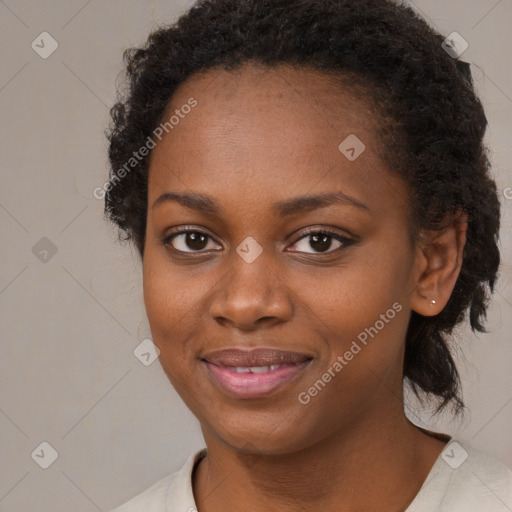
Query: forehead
x,y
294,97
277,128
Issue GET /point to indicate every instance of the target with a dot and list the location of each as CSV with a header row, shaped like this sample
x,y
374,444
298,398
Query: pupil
x,y
194,240
320,246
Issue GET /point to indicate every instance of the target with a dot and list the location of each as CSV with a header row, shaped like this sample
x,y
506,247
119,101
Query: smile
x,y
246,382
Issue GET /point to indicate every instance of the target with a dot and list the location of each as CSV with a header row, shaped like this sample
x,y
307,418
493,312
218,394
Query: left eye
x,y
321,241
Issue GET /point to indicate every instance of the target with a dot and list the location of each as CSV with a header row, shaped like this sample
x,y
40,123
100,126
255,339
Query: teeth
x,y
253,369
240,369
259,369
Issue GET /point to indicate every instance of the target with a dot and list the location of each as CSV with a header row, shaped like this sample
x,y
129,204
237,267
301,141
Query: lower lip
x,y
253,385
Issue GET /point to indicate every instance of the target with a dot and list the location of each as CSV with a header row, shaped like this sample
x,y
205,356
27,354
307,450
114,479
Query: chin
x,y
261,437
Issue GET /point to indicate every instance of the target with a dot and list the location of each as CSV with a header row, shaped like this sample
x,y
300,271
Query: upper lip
x,y
263,356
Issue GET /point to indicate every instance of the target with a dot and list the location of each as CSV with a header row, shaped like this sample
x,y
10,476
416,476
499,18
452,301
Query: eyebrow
x,y
302,204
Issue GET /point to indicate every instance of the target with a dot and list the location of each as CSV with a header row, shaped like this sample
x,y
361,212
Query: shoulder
x,y
152,499
480,477
485,466
464,479
174,490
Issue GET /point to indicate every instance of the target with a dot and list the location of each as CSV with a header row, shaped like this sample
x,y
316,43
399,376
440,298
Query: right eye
x,y
187,239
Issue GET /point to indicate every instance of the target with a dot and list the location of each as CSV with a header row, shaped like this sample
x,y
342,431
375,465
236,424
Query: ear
x,y
438,264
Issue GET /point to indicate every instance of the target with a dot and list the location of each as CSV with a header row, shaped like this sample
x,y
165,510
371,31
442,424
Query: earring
x,y
432,302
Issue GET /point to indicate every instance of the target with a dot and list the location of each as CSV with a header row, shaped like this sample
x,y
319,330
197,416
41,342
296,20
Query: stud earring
x,y
432,302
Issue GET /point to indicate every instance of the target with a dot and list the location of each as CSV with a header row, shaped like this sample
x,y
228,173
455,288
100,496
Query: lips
x,y
256,373
257,357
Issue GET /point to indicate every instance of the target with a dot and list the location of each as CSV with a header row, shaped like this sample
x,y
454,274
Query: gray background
x,y
71,320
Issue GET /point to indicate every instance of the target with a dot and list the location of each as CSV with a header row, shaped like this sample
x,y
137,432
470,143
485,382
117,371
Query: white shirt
x,y
461,480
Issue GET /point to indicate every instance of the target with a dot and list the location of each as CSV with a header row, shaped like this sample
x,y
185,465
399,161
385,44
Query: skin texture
x,y
259,136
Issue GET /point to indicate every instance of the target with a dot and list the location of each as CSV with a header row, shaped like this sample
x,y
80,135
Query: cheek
x,y
175,303
167,320
352,297
361,361
158,299
167,297
361,309
166,308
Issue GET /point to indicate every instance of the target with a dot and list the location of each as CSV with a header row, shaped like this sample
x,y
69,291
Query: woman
x,y
307,187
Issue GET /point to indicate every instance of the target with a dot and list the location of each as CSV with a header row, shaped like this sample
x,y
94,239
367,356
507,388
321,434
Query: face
x,y
237,257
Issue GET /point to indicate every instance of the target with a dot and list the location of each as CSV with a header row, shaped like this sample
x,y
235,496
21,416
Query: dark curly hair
x,y
426,109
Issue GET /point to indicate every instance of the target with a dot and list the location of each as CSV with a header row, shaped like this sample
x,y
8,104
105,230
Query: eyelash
x,y
345,241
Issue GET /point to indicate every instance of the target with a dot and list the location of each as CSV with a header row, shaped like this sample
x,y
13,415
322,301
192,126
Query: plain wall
x,y
70,324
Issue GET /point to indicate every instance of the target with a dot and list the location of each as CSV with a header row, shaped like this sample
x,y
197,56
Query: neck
x,y
376,465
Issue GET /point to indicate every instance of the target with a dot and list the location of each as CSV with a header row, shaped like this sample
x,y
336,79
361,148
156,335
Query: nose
x,y
251,294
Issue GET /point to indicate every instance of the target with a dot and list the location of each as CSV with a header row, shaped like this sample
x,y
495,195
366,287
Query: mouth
x,y
254,373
